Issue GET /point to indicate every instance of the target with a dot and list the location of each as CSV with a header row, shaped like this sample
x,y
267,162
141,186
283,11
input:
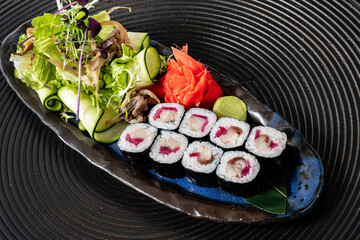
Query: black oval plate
x,y
305,182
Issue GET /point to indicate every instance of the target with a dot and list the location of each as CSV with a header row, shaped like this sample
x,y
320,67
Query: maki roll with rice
x,y
200,161
135,142
166,153
238,174
268,144
229,133
197,122
166,115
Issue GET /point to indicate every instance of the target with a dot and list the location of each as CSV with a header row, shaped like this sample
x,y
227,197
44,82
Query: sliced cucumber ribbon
x,y
147,65
139,40
92,118
49,99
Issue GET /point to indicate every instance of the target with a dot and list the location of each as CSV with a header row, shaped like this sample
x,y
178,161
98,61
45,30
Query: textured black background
x,y
301,58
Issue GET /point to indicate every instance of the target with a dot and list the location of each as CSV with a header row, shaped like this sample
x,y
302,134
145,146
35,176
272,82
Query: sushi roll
x,y
237,174
200,161
229,133
166,115
197,122
268,144
135,142
166,154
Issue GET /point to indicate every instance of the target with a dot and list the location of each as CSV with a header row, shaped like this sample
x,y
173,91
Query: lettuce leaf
x,y
34,74
120,71
47,47
43,25
21,39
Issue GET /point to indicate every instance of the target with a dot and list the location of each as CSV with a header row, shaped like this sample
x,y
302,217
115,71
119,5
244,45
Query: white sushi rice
x,y
172,140
193,164
275,136
222,171
190,129
227,123
148,132
163,122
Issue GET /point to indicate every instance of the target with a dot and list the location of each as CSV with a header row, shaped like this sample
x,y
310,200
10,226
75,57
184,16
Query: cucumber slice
x,y
88,115
153,62
112,134
92,119
109,113
53,103
81,126
139,40
49,99
146,42
147,65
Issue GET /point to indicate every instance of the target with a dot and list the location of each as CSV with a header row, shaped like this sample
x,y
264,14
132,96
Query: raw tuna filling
x,y
262,142
238,167
165,114
198,122
135,141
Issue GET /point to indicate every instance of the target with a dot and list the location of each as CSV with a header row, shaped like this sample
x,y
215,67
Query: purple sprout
x,y
95,28
86,12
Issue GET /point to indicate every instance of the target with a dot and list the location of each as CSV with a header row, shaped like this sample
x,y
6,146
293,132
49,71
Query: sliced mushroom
x,y
134,106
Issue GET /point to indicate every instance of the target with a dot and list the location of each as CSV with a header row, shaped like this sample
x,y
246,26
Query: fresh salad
x,y
91,68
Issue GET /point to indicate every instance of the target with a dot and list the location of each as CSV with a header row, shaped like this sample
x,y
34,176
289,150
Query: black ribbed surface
x,y
301,58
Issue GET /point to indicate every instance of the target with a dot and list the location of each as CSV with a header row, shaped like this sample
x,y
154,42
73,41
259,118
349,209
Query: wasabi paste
x,y
230,106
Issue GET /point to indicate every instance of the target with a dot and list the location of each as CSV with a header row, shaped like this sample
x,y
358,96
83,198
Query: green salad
x,y
89,67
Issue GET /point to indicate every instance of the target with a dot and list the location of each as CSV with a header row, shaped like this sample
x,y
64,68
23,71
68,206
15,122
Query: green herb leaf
x,y
273,199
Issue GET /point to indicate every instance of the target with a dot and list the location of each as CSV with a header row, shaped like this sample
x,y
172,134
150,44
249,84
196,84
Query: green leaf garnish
x,y
273,199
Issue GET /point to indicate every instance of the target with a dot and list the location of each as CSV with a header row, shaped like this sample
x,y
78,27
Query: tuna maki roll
x,y
268,144
200,161
166,115
197,122
135,142
229,133
166,153
238,174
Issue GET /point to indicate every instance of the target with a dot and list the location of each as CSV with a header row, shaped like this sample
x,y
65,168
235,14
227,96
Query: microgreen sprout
x,y
80,2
